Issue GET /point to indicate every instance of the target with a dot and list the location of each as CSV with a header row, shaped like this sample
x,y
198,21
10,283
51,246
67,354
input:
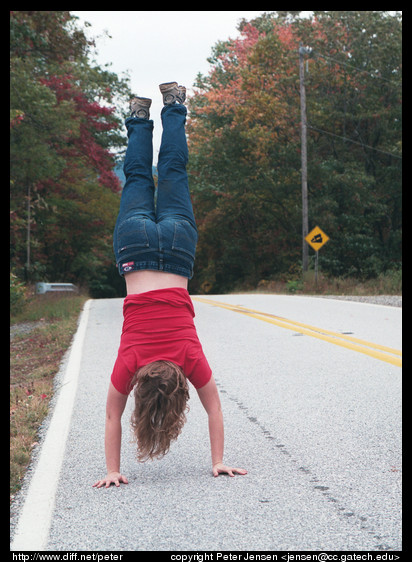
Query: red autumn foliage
x,y
92,119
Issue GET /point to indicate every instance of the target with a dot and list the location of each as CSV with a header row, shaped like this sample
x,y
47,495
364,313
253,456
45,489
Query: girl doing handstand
x,y
154,245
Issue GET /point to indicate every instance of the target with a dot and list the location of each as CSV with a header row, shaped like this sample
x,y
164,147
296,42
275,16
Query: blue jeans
x,y
159,236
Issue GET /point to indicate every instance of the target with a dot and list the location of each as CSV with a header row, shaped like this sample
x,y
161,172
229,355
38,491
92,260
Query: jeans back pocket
x,y
131,233
185,238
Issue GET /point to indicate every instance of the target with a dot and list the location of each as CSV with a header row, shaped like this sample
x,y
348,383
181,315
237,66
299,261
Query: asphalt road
x,y
314,417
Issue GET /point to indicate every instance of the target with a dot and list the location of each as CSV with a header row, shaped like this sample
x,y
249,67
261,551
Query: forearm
x,y
216,434
210,399
112,444
116,402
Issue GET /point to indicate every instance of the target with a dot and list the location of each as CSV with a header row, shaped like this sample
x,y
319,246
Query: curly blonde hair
x,y
161,393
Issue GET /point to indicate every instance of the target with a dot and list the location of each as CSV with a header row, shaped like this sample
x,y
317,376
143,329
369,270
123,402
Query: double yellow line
x,y
381,352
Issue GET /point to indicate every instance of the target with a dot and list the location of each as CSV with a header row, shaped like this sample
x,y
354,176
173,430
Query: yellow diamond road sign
x,y
316,238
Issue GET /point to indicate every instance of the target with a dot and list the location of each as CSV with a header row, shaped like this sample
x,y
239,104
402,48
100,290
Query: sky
x,y
160,46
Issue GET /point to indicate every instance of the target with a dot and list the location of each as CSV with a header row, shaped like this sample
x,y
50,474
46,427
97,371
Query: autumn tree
x,y
64,134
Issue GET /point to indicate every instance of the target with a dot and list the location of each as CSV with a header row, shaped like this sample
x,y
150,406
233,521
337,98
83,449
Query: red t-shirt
x,y
159,325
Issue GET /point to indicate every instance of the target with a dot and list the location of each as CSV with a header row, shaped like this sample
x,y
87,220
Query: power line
x,y
362,70
353,141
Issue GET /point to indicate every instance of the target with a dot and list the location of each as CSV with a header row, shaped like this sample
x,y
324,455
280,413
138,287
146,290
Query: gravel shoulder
x,y
23,328
385,300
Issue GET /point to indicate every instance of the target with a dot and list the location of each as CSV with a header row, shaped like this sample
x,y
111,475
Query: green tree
x,y
244,133
354,115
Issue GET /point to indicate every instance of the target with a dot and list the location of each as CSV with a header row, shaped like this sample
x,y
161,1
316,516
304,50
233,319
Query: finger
x,y
124,479
222,470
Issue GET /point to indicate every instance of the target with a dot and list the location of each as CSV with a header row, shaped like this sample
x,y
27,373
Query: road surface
x,y
311,396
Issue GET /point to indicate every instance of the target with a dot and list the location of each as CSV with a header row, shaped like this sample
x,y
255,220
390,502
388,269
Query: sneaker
x,y
182,94
170,92
139,107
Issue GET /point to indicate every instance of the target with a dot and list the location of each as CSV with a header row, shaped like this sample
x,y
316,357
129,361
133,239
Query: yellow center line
x,y
381,352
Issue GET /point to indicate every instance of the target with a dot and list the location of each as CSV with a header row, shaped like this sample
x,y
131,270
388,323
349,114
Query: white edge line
x,y
35,517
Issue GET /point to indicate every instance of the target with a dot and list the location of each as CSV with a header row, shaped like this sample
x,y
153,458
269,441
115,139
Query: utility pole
x,y
305,225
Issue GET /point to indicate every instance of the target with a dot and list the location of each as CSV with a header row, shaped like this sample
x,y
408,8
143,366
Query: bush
x,y
17,294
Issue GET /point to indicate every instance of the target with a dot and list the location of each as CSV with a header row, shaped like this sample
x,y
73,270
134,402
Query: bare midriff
x,y
147,280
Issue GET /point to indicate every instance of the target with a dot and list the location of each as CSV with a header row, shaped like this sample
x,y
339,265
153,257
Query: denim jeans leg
x,y
173,197
138,192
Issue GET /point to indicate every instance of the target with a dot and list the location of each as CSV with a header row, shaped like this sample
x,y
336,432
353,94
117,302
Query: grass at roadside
x,y
35,357
386,284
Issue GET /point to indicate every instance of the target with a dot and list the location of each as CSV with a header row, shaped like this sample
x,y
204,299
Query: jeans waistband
x,y
157,261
